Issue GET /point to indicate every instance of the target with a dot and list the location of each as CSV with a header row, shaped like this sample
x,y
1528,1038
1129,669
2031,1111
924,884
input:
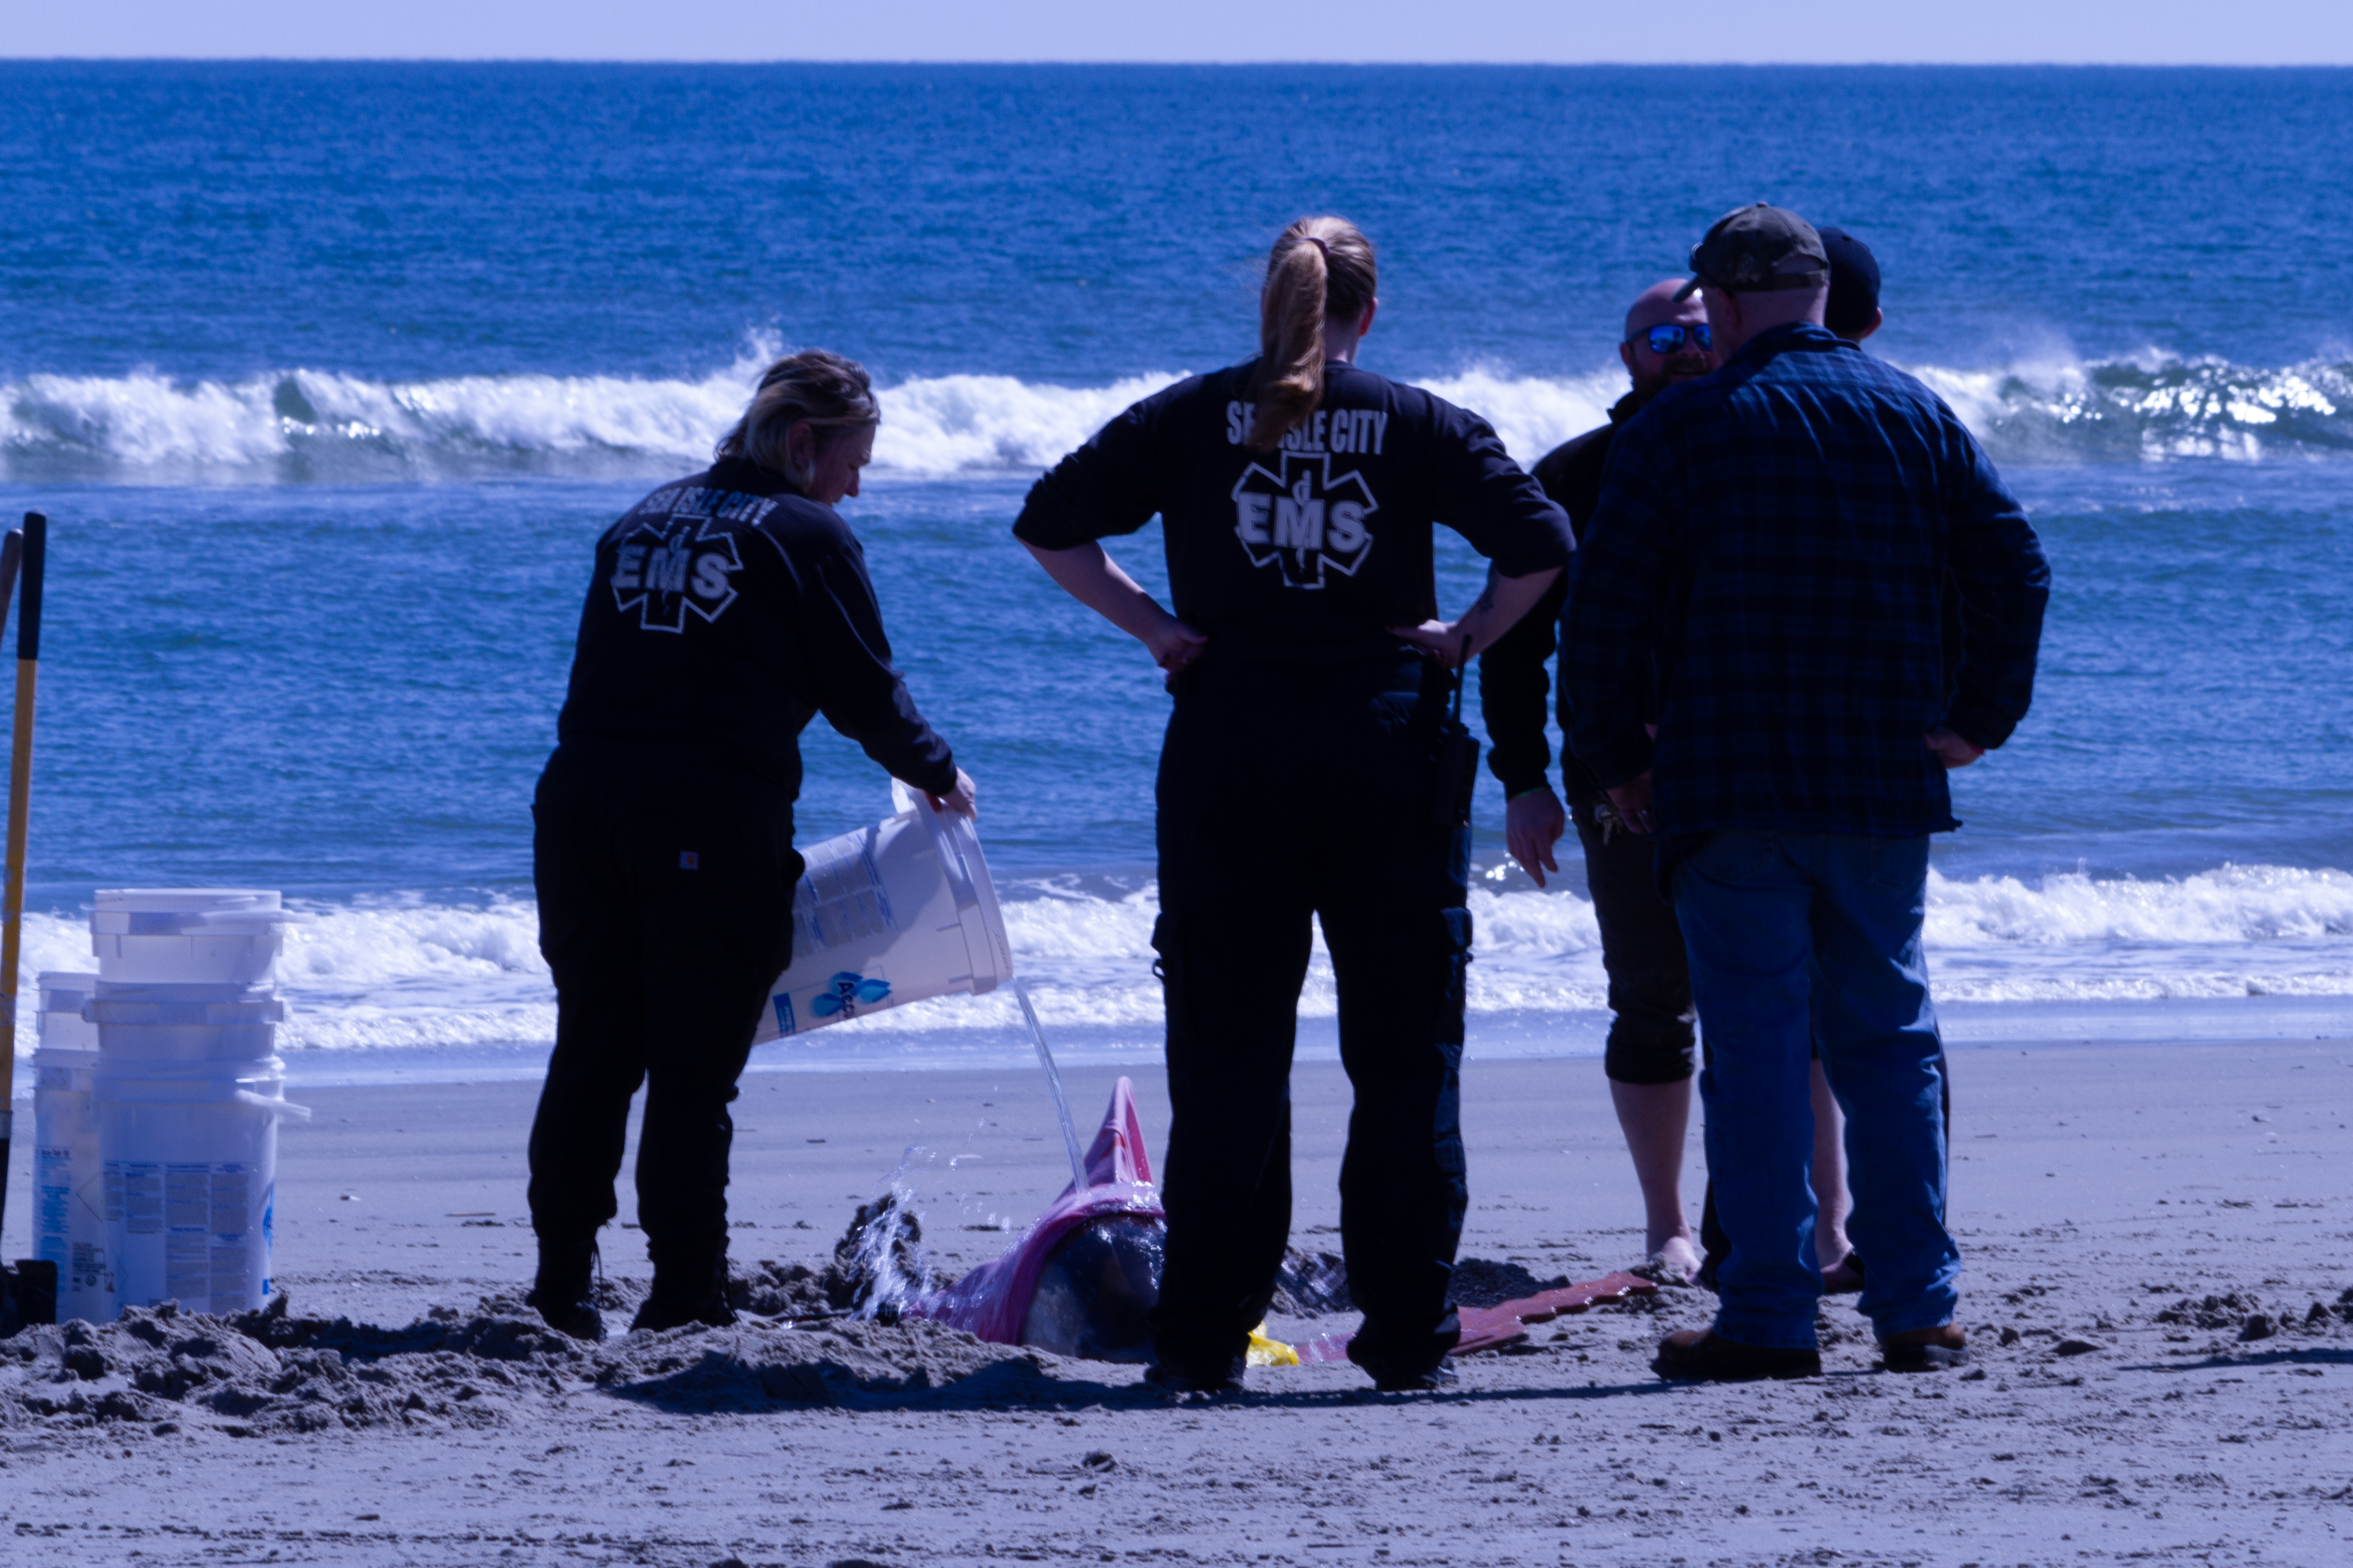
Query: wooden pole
x,y
30,550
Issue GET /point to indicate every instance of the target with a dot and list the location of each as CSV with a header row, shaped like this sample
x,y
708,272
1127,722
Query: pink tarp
x,y
1491,1328
991,1301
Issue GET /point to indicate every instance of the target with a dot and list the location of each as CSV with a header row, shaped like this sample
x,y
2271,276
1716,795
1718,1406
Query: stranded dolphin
x,y
1083,1279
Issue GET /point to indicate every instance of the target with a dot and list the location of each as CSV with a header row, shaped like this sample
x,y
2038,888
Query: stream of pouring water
x,y
1054,1082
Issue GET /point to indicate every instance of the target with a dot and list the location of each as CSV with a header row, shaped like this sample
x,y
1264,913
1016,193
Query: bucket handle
x,y
944,844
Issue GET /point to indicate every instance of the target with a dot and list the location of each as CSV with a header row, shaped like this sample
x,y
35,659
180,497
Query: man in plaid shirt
x,y
1775,542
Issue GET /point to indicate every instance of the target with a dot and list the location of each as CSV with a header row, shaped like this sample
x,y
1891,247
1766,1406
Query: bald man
x,y
1648,1058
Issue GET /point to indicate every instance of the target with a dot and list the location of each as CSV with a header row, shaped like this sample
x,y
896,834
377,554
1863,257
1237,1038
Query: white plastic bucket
x,y
191,1174
207,935
199,902
63,994
898,912
69,1179
185,1022
65,991
189,1042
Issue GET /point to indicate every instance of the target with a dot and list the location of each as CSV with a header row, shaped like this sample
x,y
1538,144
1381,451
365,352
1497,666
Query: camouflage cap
x,y
1746,249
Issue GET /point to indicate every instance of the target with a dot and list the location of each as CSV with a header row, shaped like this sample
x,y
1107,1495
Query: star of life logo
x,y
679,557
1306,520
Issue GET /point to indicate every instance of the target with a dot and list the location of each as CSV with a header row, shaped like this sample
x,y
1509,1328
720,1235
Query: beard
x,y
1646,387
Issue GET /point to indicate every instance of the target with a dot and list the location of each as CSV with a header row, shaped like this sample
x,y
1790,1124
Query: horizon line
x,y
1684,64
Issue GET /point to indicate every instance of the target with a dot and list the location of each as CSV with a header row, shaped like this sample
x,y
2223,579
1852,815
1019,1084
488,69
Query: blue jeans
x,y
1795,939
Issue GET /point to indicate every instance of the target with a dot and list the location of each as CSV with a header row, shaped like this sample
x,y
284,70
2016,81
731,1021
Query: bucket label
x,y
86,1269
209,1233
846,992
840,897
135,1195
187,1268
53,1200
840,997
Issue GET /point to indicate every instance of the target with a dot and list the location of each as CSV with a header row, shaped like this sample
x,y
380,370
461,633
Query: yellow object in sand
x,y
1264,1352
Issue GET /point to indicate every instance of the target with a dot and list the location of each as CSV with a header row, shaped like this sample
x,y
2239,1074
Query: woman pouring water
x,y
1302,779
725,612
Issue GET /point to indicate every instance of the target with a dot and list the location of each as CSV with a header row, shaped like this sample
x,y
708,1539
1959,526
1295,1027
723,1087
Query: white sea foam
x,y
976,424
2233,904
2237,931
305,424
413,976
311,425
1533,414
2056,408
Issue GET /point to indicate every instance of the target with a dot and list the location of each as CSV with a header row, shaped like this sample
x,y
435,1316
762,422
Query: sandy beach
x,y
2128,1214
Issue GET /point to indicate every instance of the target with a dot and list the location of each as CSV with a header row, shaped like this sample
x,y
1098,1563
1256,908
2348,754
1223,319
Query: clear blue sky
x,y
2176,32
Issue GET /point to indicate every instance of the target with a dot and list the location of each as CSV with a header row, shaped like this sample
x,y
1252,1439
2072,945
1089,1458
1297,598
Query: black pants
x,y
1642,951
1289,793
665,911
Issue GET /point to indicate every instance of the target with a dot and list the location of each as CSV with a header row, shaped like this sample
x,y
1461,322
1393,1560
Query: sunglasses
x,y
1666,339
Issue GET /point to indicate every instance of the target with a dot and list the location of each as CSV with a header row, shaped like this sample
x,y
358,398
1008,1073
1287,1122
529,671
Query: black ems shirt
x,y
728,610
1312,551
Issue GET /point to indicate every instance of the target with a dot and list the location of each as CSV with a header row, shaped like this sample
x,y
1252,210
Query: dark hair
x,y
1321,270
813,387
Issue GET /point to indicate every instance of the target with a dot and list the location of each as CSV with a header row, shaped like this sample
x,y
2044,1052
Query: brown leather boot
x,y
1938,1349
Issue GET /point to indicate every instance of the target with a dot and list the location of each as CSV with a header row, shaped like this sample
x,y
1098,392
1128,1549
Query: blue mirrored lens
x,y
1667,340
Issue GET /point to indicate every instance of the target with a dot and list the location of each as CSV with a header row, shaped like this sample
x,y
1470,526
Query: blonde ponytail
x,y
1321,270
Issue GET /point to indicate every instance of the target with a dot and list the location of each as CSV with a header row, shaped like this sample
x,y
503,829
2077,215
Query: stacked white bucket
x,y
69,1172
188,1091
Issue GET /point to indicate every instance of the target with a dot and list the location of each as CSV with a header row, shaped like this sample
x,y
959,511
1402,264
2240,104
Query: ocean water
x,y
329,376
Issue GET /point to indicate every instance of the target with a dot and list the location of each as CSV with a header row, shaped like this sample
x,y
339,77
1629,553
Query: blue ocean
x,y
329,376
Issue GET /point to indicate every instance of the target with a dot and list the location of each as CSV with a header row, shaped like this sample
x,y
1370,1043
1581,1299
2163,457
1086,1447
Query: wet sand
x,y
2127,1212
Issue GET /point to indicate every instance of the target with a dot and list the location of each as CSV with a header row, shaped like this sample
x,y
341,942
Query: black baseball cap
x,y
1744,251
1854,282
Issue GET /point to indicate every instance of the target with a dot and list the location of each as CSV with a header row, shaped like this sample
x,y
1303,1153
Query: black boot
x,y
564,1292
690,1287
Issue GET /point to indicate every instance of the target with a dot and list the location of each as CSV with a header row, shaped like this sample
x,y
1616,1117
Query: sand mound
x,y
763,1366
272,1372
2230,1310
776,1289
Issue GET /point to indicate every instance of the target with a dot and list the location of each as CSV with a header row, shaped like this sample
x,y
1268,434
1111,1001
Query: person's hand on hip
x,y
1174,644
1631,801
1951,749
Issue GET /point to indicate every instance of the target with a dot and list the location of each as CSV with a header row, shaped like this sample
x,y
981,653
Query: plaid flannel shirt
x,y
1778,541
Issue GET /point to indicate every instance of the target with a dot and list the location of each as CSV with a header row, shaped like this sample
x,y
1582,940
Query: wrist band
x,y
1523,795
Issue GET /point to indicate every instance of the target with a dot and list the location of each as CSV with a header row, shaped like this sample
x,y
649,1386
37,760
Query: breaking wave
x,y
2152,408
312,426
427,977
